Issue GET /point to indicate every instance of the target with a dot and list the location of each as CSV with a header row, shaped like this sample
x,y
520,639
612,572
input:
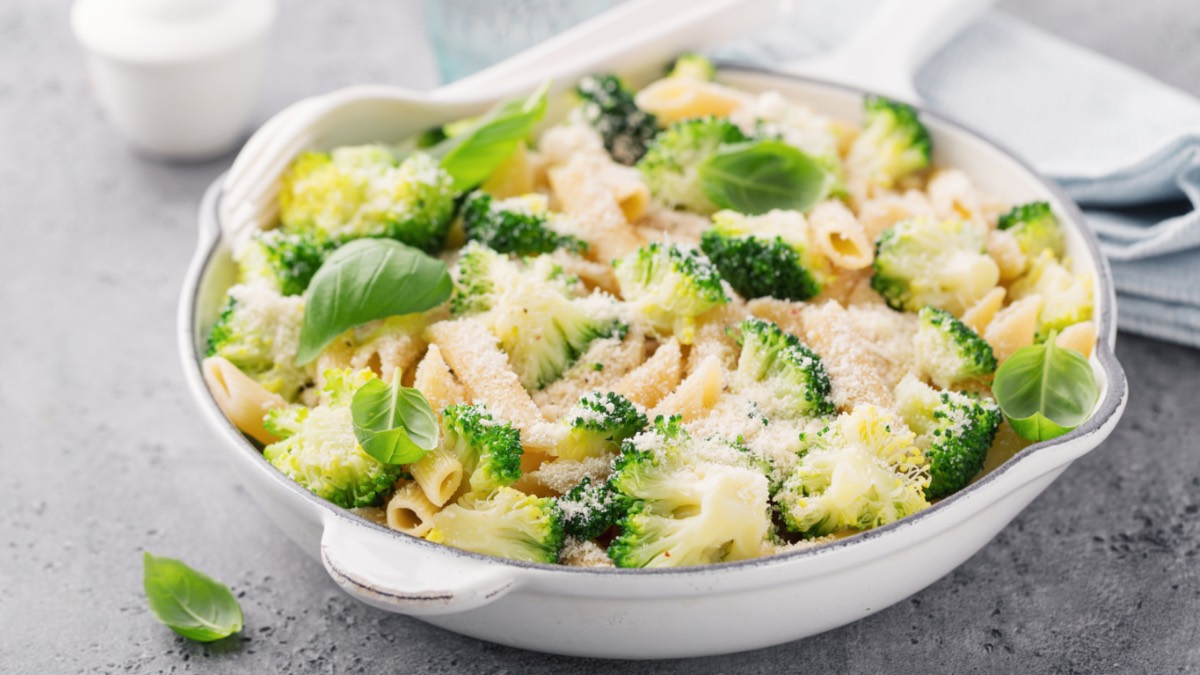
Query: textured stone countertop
x,y
102,453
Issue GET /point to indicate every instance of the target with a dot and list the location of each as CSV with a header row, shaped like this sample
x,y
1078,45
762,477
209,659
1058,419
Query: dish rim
x,y
1105,409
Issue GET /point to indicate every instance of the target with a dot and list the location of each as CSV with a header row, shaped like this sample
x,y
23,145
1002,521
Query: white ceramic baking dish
x,y
658,613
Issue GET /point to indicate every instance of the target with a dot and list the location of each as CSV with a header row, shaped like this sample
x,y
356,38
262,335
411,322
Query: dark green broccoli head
x,y
490,450
590,508
285,261
671,286
599,422
894,142
516,225
759,258
610,109
796,381
965,426
1035,227
671,166
955,430
223,331
948,351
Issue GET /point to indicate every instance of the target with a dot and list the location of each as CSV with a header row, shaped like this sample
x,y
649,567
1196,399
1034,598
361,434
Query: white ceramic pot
x,y
663,613
177,78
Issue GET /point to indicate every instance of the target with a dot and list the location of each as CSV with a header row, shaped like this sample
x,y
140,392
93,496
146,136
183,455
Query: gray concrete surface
x,y
102,456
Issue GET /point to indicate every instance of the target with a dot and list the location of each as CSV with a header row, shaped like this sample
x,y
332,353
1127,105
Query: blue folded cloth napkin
x,y
1123,145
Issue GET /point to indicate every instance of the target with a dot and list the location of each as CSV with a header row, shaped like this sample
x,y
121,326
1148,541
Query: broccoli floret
x,y
590,508
671,286
766,255
954,430
518,225
259,332
610,109
436,135
861,471
320,451
365,191
529,306
941,263
892,145
489,450
598,423
671,166
693,66
1066,297
796,382
508,524
284,261
948,351
684,510
1035,227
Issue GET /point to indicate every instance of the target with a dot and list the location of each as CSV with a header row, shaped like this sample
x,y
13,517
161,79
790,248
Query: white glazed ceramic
x,y
177,78
660,613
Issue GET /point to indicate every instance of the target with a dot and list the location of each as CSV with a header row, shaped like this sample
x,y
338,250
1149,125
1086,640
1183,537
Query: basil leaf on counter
x,y
755,177
394,424
364,280
189,602
471,156
1045,390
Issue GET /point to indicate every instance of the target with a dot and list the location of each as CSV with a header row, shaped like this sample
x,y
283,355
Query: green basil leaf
x,y
394,424
758,176
471,156
1045,390
364,280
189,602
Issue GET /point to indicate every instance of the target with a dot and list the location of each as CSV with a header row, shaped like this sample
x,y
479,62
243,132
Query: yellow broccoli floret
x,y
862,471
320,451
1066,297
259,332
365,191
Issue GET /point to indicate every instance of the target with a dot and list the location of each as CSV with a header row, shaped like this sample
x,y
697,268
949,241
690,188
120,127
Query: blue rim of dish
x,y
1116,384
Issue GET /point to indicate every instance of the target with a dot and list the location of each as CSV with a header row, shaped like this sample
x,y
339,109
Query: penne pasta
x,y
695,395
838,236
474,354
243,400
410,512
434,379
1081,337
981,313
647,384
594,209
675,98
1006,251
1014,327
439,474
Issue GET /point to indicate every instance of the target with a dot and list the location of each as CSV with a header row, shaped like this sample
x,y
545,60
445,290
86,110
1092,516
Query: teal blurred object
x,y
470,35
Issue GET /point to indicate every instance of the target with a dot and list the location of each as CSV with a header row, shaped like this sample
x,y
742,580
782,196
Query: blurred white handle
x,y
885,54
670,25
396,573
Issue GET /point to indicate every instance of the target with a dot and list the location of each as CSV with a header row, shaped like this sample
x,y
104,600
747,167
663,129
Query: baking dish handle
x,y
400,574
885,53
